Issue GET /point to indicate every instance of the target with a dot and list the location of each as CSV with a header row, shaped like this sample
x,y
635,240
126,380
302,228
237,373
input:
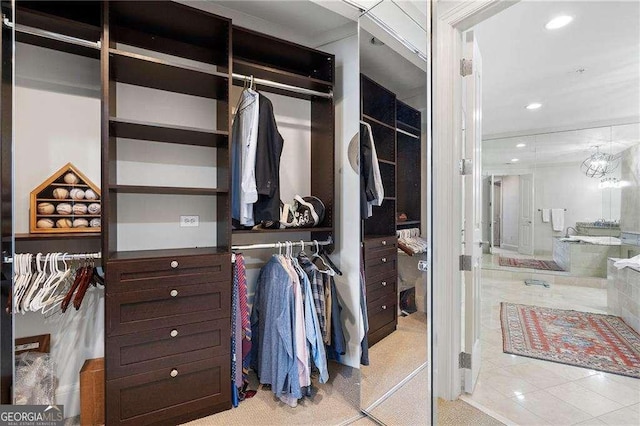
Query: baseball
x,y
46,208
77,194
60,193
45,223
80,223
64,223
94,208
95,223
79,209
71,178
63,208
90,195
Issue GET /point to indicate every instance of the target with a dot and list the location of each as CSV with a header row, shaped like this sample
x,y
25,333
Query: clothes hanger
x,y
80,276
316,255
84,286
333,266
50,295
54,273
31,283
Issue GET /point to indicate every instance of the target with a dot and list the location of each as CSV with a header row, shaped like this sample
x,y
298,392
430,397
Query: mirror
x,y
576,175
393,111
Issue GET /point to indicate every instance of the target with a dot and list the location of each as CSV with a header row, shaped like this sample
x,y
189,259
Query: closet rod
x,y
551,209
50,35
283,86
407,133
329,241
79,256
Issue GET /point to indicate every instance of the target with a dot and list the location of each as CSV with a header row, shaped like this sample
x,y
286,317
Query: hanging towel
x,y
546,215
557,219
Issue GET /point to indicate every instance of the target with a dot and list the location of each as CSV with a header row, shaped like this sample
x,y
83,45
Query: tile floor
x,y
534,392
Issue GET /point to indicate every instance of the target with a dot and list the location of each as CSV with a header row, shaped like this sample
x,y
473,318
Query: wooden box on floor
x,y
92,392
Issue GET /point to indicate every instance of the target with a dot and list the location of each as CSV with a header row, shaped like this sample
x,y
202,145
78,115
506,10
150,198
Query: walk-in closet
x,y
183,233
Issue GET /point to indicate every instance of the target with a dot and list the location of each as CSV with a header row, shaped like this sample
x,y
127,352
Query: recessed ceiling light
x,y
515,160
559,22
521,145
534,105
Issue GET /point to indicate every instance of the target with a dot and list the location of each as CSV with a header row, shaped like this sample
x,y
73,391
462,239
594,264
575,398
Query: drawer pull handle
x,y
174,372
384,283
384,260
384,243
384,307
174,264
174,293
174,333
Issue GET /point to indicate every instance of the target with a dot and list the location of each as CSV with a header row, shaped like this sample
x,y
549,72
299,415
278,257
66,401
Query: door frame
x,y
448,23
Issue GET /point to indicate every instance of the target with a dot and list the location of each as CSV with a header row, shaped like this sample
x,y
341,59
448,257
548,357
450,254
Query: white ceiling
x,y
390,69
523,63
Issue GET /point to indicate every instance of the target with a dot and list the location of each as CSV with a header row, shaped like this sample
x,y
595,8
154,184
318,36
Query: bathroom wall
x,y
630,198
562,186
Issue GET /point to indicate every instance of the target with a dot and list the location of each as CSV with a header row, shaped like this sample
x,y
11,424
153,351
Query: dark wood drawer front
x,y
372,245
151,350
162,394
166,306
374,269
381,288
382,312
139,275
381,256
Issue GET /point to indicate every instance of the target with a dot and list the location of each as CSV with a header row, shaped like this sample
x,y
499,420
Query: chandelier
x,y
599,164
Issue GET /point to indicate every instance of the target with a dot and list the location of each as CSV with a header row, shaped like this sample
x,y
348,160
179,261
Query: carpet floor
x,y
394,358
544,265
333,403
583,339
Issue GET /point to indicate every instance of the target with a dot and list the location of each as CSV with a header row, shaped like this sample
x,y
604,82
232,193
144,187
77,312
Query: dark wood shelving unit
x,y
140,70
174,190
183,286
284,62
269,73
408,222
167,253
285,230
375,120
157,132
60,236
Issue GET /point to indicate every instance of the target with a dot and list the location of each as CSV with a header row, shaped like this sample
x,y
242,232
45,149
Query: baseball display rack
x,y
67,202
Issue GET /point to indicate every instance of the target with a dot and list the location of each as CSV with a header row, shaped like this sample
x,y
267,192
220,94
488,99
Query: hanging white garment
x,y
245,141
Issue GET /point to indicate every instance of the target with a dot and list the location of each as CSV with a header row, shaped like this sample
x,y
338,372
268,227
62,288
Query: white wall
x,y
564,186
56,121
510,212
347,103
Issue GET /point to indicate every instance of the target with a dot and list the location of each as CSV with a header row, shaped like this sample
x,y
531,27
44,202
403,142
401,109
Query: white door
x,y
472,190
525,221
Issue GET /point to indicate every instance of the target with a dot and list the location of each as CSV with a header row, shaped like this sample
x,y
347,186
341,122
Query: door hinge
x,y
465,262
466,166
466,67
464,360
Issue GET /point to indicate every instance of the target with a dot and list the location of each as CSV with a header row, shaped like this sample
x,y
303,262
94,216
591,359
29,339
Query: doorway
x,y
541,126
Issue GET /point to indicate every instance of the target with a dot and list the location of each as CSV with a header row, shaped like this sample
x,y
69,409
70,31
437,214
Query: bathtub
x,y
585,256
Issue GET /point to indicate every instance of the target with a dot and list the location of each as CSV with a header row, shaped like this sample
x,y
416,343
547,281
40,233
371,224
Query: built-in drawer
x,y
385,263
372,245
382,312
178,271
161,395
381,286
165,347
166,306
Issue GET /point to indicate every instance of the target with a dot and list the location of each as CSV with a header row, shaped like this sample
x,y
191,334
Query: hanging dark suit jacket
x,y
268,152
367,182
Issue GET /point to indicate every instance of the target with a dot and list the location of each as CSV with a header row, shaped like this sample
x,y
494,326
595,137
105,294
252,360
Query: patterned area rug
x,y
546,265
595,341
